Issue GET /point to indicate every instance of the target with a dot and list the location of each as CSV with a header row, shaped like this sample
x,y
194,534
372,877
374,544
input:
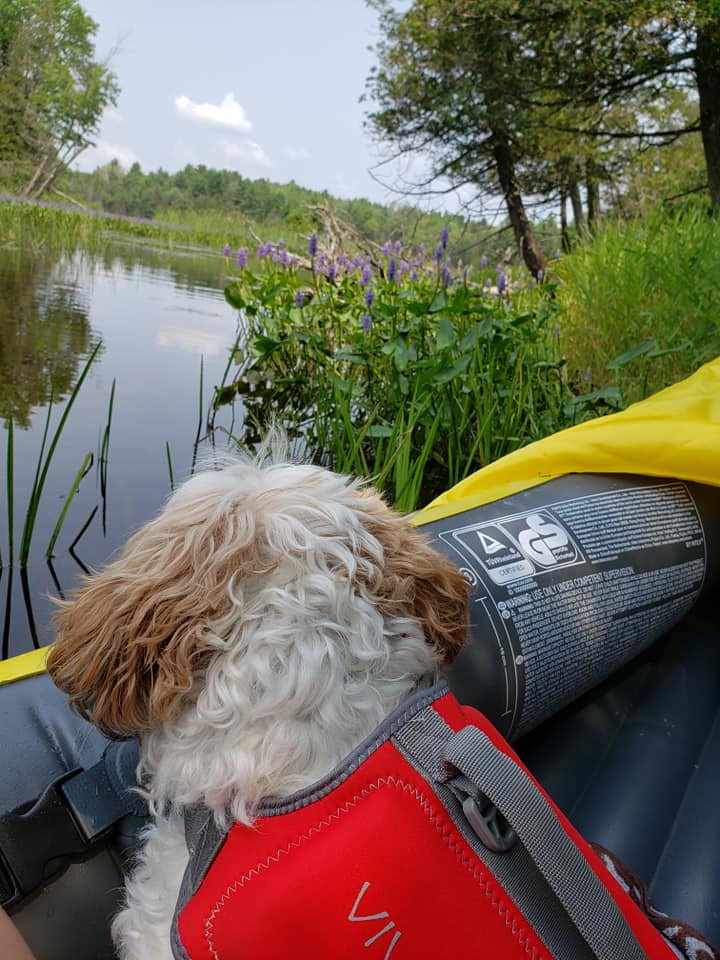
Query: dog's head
x,y
269,577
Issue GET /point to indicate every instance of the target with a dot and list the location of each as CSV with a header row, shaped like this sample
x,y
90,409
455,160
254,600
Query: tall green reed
x,y
42,468
639,302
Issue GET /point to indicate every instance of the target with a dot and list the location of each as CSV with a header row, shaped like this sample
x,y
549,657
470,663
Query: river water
x,y
158,315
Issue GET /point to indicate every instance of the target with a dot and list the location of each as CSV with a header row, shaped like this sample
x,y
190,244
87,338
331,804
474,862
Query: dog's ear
x,y
418,581
132,639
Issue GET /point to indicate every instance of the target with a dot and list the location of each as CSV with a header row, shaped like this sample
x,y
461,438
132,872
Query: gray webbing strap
x,y
588,903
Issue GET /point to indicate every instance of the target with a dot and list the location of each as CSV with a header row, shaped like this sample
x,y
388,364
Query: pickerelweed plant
x,y
402,367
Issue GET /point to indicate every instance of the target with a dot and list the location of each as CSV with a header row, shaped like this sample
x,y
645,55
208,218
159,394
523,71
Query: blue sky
x,y
269,88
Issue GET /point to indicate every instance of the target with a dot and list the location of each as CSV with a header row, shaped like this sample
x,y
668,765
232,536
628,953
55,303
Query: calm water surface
x,y
156,313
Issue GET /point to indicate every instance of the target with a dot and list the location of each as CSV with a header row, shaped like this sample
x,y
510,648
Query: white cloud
x,y
229,113
298,153
103,152
248,152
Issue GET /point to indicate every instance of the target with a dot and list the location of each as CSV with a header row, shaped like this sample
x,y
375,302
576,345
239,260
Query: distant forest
x,y
212,200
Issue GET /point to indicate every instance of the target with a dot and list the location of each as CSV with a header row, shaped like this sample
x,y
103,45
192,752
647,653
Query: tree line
x,y
264,209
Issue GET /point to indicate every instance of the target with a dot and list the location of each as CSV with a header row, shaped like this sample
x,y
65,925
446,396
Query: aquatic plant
x,y
407,369
42,467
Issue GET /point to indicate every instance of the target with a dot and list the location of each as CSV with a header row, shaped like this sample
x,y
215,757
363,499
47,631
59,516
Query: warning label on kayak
x,y
568,589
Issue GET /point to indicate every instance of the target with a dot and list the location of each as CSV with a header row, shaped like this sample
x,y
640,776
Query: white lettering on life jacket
x,y
354,917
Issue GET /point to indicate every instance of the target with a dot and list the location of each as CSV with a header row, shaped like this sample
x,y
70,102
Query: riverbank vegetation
x,y
209,203
417,370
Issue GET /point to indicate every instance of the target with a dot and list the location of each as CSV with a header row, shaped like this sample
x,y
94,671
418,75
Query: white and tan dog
x,y
251,635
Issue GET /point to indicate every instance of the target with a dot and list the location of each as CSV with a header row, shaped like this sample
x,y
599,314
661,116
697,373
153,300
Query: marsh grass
x,y
639,303
32,226
42,468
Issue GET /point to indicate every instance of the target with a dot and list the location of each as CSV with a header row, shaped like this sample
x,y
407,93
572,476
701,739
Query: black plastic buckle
x,y
489,824
24,832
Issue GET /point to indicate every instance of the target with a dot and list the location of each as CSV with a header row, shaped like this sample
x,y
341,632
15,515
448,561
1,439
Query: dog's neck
x,y
261,727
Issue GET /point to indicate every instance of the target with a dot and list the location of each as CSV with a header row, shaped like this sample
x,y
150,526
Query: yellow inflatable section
x,y
26,665
675,433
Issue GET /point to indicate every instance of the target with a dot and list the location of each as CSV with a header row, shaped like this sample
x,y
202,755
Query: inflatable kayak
x,y
595,648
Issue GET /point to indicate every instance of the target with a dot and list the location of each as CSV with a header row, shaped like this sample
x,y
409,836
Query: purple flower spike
x,y
331,272
365,276
397,247
299,298
438,255
366,322
369,297
242,257
540,275
387,249
227,250
313,245
501,283
284,258
446,276
392,269
484,261
557,255
444,234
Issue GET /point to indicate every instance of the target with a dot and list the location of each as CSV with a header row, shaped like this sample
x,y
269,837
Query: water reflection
x,y
44,330
165,331
186,270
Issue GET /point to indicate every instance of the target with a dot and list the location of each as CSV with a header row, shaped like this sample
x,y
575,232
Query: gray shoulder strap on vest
x,y
587,901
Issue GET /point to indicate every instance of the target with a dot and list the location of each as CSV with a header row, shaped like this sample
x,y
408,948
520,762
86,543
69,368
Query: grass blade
x,y
103,460
104,449
170,465
10,468
198,434
85,467
43,467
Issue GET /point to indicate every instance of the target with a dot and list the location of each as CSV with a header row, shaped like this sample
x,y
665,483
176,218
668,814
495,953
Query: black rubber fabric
x,y
636,767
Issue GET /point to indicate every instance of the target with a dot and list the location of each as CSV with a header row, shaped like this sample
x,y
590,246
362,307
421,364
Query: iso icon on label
x,y
543,540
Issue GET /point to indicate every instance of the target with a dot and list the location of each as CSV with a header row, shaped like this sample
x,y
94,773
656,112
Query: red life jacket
x,y
389,858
